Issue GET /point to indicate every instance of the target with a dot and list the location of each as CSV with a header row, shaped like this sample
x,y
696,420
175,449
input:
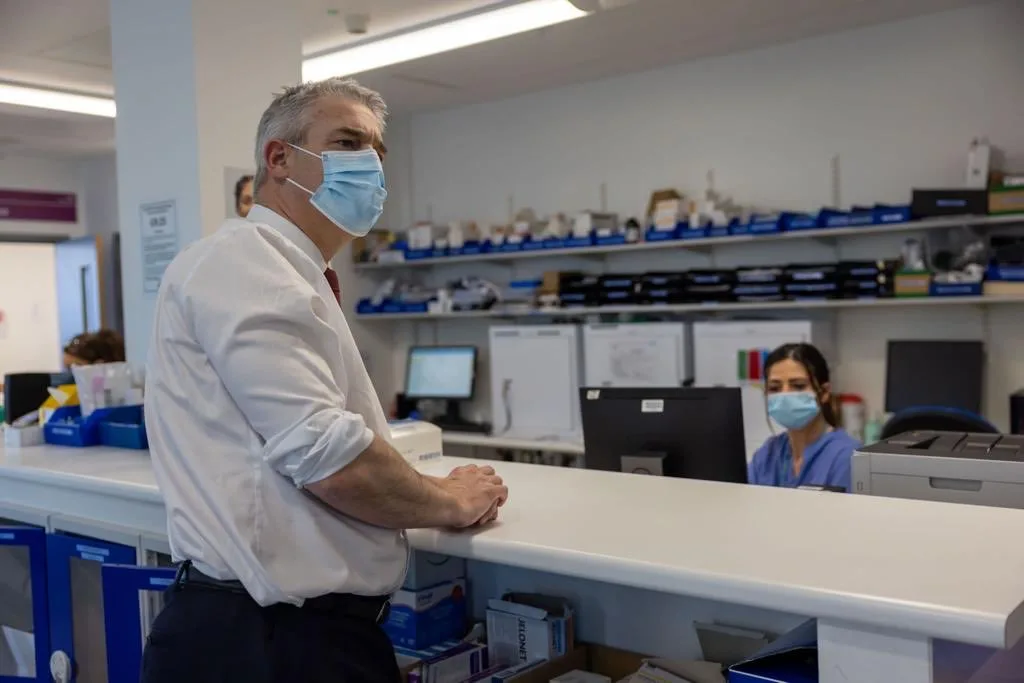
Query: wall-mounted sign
x,y
159,227
25,205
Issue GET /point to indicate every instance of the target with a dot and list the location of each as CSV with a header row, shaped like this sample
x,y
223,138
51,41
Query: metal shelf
x,y
581,311
706,242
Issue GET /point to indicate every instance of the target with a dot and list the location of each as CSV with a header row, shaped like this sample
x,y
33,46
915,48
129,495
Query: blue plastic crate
x,y
830,218
884,214
612,240
507,247
365,307
439,252
955,288
574,242
468,249
653,235
126,430
720,230
798,221
688,233
763,225
418,254
532,245
67,427
553,243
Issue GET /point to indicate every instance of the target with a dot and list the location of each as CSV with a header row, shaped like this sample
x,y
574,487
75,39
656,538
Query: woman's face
x,y
245,200
788,376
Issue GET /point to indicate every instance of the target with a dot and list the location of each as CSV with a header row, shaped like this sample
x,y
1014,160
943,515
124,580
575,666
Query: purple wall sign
x,y
52,207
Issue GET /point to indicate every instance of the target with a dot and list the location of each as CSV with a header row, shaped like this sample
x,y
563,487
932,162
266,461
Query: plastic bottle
x,y
873,430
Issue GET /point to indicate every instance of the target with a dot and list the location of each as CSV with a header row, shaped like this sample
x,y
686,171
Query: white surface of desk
x,y
927,569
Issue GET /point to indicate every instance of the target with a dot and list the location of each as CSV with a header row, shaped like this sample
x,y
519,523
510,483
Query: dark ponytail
x,y
816,366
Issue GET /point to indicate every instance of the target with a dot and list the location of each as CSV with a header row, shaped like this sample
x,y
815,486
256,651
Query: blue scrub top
x,y
826,462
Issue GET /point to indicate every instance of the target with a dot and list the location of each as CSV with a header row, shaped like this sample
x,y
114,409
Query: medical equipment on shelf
x,y
952,467
635,355
417,441
535,379
732,354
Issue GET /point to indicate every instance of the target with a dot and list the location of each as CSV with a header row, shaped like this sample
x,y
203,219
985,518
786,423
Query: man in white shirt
x,y
286,504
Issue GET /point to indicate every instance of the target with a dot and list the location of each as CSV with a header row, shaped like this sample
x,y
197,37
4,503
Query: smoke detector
x,y
357,24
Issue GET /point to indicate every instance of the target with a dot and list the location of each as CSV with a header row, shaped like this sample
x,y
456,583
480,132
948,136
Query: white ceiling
x,y
66,44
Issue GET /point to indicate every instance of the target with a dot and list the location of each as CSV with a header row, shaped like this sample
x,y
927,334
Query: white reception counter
x,y
884,577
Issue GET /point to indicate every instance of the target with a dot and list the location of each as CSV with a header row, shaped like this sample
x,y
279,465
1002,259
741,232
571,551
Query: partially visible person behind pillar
x,y
286,504
243,196
89,348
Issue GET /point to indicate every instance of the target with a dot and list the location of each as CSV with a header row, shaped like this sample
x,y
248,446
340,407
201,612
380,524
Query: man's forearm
x,y
379,487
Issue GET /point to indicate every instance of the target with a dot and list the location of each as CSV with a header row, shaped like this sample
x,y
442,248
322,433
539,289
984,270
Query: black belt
x,y
371,608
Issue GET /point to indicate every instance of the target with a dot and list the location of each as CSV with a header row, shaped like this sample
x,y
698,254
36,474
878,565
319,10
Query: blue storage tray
x,y
955,288
365,306
579,241
653,235
506,247
468,249
884,214
611,240
688,233
532,245
798,221
66,427
418,254
125,430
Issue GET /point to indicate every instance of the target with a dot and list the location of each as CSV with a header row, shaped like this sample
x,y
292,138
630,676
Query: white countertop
x,y
941,570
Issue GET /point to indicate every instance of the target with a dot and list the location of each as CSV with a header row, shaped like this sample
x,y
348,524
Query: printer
x,y
417,441
953,467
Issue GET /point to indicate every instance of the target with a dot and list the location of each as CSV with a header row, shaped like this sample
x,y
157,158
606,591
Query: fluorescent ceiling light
x,y
56,100
437,38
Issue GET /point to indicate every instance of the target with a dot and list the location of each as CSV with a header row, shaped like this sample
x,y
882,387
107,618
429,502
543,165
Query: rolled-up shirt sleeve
x,y
267,337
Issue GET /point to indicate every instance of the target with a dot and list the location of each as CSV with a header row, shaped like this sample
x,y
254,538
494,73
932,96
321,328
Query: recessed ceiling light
x,y
443,37
56,100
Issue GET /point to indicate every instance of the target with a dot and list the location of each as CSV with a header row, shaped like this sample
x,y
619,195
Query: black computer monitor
x,y
946,374
693,433
441,372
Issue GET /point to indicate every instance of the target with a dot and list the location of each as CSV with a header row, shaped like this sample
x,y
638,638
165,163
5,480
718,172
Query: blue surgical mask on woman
x,y
352,193
793,409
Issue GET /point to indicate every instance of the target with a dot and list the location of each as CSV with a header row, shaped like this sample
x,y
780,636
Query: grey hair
x,y
287,117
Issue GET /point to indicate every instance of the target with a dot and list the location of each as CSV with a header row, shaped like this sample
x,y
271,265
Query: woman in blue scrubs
x,y
813,451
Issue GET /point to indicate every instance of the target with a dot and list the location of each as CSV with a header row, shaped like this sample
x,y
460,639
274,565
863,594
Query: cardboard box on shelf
x,y
431,569
452,662
424,618
524,627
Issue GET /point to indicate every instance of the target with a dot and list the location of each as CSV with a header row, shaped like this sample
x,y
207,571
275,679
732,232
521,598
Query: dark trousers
x,y
208,636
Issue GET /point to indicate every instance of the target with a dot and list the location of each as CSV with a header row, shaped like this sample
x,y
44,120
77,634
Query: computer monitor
x,y
688,433
441,372
946,374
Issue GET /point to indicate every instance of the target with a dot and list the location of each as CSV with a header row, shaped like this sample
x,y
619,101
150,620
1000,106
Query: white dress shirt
x,y
254,389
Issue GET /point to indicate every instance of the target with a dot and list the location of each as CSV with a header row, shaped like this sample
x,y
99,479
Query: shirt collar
x,y
261,214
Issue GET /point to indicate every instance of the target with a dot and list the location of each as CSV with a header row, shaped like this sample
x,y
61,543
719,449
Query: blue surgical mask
x,y
352,193
793,409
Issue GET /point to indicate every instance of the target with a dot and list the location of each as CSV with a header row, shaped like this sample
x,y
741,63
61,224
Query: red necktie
x,y
332,280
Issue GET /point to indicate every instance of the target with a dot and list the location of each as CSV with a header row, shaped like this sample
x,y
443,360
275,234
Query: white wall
x,y
898,103
43,175
29,335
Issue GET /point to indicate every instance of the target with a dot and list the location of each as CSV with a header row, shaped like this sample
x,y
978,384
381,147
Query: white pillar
x,y
191,80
